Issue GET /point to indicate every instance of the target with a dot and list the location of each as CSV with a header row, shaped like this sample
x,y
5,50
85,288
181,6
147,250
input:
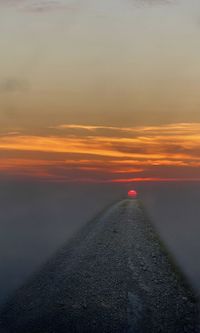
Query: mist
x,y
38,218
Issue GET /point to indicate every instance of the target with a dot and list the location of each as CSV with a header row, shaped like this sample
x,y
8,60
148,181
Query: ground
x,y
115,275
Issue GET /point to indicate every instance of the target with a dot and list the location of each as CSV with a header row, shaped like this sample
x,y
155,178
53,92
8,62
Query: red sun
x,y
132,194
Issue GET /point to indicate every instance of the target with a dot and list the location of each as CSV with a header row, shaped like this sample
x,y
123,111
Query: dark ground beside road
x,y
113,276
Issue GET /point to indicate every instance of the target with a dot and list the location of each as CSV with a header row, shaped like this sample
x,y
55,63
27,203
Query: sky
x,y
100,91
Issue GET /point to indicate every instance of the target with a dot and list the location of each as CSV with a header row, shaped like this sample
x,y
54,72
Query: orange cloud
x,y
153,179
98,157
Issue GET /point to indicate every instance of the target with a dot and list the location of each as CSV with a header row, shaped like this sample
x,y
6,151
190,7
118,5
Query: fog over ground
x,y
38,218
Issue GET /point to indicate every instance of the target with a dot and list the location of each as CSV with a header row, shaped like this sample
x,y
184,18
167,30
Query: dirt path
x,y
114,276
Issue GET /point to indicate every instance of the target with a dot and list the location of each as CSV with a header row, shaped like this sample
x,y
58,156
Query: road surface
x,y
113,276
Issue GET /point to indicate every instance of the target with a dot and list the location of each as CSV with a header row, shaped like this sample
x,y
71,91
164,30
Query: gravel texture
x,y
115,275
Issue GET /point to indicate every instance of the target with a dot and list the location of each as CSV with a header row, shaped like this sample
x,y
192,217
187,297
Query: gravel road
x,y
115,275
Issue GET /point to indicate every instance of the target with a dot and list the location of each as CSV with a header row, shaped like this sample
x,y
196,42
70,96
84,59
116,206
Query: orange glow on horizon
x,y
87,94
100,157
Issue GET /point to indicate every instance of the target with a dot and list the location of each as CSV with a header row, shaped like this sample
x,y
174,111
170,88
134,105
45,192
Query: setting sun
x,y
132,194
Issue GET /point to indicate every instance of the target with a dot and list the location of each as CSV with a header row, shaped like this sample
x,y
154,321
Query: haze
x,y
37,219
100,91
96,98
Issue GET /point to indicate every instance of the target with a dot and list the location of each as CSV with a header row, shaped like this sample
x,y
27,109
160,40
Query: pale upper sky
x,y
107,63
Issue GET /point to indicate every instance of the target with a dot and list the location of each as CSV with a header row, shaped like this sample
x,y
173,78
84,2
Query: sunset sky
x,y
100,90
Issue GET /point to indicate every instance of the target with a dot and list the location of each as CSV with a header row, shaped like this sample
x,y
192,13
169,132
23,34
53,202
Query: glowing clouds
x,y
117,155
